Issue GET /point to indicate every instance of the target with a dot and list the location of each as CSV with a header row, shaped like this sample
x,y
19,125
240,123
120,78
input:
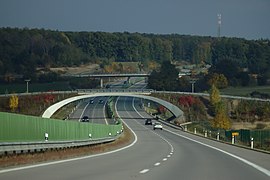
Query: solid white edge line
x,y
104,113
74,159
259,168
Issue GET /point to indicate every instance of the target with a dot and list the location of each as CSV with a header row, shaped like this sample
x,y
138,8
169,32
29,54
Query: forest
x,y
24,51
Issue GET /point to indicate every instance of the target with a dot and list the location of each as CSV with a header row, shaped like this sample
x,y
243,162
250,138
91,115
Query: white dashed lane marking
x,y
157,164
144,171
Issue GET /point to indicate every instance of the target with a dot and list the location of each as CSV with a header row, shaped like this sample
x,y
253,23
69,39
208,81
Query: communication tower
x,y
219,24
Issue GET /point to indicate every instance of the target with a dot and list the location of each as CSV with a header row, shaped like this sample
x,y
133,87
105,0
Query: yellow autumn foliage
x,y
214,95
13,102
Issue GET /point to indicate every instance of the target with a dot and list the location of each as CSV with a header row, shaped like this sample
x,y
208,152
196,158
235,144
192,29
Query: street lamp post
x,y
192,82
27,81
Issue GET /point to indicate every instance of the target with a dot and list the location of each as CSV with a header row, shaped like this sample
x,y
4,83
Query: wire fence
x,y
258,139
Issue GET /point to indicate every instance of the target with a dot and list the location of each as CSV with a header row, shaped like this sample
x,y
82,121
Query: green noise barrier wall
x,y
22,128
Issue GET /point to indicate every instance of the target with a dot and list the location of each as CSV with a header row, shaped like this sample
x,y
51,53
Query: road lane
x,y
131,163
95,110
160,154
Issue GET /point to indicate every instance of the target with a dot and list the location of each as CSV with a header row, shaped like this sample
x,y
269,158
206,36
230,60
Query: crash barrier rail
x,y
114,90
28,147
22,128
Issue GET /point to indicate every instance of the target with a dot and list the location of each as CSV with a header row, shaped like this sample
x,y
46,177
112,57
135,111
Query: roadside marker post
x,y
252,143
46,136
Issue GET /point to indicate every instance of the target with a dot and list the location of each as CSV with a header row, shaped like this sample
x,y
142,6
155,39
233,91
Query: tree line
x,y
23,51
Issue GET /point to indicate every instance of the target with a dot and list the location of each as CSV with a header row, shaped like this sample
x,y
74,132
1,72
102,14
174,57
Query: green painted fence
x,y
22,128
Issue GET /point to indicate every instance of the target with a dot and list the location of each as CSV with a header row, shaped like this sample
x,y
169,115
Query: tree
x,y
221,119
219,80
165,79
226,67
13,103
214,96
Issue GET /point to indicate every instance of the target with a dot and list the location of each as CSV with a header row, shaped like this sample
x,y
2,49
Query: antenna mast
x,y
219,24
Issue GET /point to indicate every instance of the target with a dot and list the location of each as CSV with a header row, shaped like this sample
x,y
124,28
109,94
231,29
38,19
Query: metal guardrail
x,y
207,95
26,147
114,90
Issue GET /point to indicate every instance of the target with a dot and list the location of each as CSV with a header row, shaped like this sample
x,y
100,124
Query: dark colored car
x,y
85,119
91,101
148,122
101,101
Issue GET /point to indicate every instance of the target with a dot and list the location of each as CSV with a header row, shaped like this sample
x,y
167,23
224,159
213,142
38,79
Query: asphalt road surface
x,y
94,109
159,155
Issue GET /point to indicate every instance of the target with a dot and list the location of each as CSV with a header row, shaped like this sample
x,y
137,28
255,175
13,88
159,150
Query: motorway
x,y
159,155
94,108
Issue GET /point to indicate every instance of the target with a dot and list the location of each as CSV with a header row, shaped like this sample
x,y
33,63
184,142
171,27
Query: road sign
x,y
235,133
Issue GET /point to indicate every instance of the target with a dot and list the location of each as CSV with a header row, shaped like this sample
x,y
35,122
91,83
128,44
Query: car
x,y
85,119
101,101
157,125
91,101
148,122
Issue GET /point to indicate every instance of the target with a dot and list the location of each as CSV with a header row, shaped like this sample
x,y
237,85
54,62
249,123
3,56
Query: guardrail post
x,y
252,143
195,131
218,136
46,136
232,139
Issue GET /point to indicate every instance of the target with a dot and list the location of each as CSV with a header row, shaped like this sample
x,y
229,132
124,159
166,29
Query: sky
x,y
248,19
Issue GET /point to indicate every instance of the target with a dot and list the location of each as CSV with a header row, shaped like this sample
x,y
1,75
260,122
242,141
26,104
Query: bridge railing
x,y
114,90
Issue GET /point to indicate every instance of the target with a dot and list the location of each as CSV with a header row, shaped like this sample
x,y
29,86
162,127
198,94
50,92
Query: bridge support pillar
x,y
128,80
101,83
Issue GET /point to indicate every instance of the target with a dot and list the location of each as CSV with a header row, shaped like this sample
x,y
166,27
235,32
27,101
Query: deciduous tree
x,y
13,102
214,95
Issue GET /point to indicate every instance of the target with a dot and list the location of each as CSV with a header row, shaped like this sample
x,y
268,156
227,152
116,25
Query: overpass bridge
x,y
108,75
142,94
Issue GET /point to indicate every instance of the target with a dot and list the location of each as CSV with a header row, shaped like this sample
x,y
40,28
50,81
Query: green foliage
x,y
251,111
165,79
219,80
83,83
24,50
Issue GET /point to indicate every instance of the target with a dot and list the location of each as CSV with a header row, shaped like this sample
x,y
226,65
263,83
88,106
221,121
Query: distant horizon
x,y
57,30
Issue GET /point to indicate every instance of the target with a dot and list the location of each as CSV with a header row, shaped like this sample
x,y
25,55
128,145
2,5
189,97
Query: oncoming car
x,y
157,125
85,119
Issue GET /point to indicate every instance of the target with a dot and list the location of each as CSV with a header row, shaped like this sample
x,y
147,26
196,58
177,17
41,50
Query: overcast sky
x,y
240,18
